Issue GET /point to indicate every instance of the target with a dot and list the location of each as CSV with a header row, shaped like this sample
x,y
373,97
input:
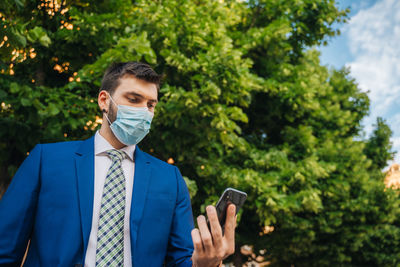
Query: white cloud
x,y
374,41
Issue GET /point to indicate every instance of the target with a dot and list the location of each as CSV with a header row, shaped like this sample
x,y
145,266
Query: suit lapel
x,y
84,160
140,186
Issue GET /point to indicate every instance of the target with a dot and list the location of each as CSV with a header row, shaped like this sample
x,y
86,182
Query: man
x,y
104,202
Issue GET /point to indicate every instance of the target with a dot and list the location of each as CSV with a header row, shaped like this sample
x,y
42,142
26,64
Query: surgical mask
x,y
132,123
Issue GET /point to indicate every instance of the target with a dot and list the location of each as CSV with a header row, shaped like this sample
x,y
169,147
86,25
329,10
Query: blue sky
x,y
369,45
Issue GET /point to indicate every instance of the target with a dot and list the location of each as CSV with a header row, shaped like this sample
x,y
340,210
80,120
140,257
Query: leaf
x,y
26,102
53,109
14,88
19,3
191,184
45,40
17,37
39,34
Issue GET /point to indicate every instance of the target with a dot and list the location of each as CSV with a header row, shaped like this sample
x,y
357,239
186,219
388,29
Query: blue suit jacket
x,y
50,202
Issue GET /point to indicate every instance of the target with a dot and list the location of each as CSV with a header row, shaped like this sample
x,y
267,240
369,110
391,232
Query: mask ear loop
x,y
109,122
112,99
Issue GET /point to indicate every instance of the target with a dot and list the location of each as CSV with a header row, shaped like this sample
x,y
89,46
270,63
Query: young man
x,y
104,202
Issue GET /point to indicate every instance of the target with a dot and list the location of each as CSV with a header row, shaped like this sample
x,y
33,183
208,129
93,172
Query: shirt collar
x,y
101,145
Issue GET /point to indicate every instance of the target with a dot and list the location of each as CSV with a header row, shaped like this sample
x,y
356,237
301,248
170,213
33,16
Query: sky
x,y
369,45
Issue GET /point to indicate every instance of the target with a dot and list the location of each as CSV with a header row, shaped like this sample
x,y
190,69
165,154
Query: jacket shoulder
x,y
160,163
62,146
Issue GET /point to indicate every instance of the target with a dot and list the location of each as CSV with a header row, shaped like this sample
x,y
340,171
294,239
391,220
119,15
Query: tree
x,y
43,99
378,147
245,103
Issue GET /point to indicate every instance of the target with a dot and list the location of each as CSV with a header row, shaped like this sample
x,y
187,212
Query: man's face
x,y
132,92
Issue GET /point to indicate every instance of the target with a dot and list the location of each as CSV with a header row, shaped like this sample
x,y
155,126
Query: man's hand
x,y
211,248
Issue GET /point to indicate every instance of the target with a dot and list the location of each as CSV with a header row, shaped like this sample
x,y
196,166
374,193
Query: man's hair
x,y
116,71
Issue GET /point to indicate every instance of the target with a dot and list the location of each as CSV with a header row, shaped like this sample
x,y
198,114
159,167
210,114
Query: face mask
x,y
132,123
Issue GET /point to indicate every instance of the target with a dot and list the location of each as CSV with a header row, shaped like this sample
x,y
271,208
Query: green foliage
x,y
245,103
378,148
191,186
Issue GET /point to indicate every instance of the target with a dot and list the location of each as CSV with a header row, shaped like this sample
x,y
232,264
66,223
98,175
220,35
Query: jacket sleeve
x,y
180,245
17,210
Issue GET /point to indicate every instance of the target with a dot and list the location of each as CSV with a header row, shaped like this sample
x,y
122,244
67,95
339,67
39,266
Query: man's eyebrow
x,y
141,96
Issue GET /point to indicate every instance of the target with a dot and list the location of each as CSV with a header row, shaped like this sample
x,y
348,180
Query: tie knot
x,y
116,155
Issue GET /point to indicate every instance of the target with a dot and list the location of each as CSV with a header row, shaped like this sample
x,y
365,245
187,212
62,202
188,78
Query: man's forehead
x,y
134,86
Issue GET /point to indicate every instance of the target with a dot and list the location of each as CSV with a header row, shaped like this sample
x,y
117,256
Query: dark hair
x,y
139,70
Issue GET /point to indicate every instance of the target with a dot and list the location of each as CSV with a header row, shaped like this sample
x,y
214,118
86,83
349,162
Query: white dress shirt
x,y
101,165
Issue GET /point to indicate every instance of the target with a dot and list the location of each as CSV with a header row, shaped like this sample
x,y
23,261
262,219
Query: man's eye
x,y
151,105
133,100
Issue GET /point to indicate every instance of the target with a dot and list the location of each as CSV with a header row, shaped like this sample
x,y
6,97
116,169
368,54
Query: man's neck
x,y
106,132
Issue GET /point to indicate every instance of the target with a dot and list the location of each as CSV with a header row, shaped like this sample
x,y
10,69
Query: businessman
x,y
104,202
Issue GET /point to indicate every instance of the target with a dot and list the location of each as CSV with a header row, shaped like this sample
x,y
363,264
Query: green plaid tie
x,y
110,235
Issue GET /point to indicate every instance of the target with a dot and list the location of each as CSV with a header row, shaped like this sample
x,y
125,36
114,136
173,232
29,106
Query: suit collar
x,y
101,145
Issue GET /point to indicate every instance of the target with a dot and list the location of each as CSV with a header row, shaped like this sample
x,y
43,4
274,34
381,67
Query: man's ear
x,y
102,100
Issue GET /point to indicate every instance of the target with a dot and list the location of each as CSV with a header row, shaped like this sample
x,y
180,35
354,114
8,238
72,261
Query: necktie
x,y
110,235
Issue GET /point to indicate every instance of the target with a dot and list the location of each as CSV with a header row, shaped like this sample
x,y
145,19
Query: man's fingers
x,y
216,230
198,245
230,224
204,233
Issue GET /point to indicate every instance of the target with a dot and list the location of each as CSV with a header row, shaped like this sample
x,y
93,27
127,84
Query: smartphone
x,y
229,196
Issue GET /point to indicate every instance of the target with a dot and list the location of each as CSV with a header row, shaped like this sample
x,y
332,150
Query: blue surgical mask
x,y
132,123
